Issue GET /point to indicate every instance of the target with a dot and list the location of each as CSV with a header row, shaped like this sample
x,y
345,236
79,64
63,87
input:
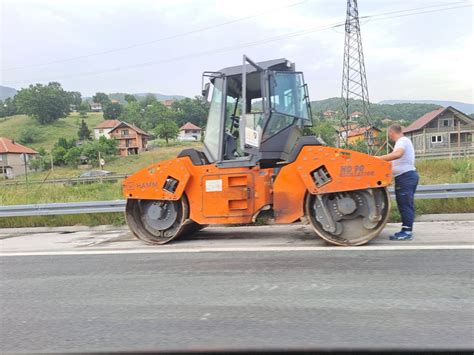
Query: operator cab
x,y
257,113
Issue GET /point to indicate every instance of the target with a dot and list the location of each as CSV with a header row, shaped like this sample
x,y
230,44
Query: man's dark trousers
x,y
405,187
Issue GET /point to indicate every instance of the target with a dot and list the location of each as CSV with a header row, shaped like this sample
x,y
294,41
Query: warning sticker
x,y
213,185
251,137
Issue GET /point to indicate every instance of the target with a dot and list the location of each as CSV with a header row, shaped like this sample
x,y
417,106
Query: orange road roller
x,y
256,162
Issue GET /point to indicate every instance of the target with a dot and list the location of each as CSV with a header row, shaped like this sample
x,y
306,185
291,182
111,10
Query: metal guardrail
x,y
47,209
50,209
71,181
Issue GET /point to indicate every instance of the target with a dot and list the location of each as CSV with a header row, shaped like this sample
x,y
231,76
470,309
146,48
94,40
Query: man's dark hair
x,y
395,128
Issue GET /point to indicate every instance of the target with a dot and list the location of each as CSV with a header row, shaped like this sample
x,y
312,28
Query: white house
x,y
95,106
189,132
13,157
104,128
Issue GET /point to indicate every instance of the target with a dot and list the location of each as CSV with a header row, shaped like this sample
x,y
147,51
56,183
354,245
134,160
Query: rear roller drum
x,y
159,221
348,218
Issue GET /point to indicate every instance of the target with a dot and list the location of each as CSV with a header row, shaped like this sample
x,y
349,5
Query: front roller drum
x,y
159,221
348,218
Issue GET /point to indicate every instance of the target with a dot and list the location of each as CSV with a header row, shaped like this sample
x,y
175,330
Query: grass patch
x,y
98,219
48,134
435,206
445,171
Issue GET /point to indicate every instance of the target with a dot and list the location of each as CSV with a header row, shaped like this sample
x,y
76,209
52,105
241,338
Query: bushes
x,y
29,135
66,152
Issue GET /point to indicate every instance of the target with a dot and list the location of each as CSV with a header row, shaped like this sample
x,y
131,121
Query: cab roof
x,y
274,64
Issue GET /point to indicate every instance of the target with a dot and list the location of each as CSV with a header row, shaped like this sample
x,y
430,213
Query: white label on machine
x,y
213,185
251,137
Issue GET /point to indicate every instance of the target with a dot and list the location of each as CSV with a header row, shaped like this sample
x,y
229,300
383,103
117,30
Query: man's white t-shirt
x,y
407,161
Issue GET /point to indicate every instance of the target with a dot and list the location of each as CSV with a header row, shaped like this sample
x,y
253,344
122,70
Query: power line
x,y
243,45
152,41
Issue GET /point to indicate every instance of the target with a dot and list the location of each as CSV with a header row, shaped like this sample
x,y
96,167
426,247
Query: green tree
x,y
8,107
167,129
133,113
29,135
59,153
326,131
84,133
107,148
101,98
71,157
148,100
45,103
130,98
191,110
154,114
35,164
75,98
39,162
84,107
112,110
360,146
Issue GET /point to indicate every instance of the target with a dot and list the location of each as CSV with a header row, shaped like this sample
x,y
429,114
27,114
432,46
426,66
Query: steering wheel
x,y
235,121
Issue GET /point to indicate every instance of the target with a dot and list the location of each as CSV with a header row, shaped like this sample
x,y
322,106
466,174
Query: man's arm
x,y
396,154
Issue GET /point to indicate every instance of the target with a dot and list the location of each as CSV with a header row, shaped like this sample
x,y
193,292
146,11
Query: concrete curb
x,y
442,217
445,217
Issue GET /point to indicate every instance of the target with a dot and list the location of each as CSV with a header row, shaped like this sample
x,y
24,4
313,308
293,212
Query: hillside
x,y
6,92
120,97
461,106
12,127
403,111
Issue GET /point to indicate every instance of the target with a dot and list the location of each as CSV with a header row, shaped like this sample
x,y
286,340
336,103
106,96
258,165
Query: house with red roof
x,y
132,140
445,129
104,128
168,103
356,114
190,132
14,157
355,133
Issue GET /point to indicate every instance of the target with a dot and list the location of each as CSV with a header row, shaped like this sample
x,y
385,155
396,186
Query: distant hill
x,y
6,92
162,97
461,106
120,97
402,111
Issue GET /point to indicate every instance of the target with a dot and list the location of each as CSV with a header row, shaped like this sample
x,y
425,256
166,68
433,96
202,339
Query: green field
x,y
67,128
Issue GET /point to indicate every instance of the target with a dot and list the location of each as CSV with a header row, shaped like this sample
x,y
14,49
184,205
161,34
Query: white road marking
x,y
165,250
204,317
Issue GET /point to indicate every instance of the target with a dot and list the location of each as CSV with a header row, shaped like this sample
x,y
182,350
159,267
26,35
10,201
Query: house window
x,y
445,123
1,157
436,139
124,132
101,131
3,170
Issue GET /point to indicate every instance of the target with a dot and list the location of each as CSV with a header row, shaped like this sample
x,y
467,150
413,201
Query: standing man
x,y
406,179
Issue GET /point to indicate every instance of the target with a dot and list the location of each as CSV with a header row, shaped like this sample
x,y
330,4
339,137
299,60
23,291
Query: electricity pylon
x,y
354,80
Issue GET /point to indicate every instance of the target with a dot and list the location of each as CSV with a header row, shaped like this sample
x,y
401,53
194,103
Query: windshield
x,y
288,95
213,131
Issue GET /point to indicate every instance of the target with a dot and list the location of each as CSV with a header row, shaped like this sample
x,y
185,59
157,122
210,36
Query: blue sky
x,y
422,56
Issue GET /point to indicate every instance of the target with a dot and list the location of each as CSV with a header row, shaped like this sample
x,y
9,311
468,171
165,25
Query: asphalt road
x,y
237,299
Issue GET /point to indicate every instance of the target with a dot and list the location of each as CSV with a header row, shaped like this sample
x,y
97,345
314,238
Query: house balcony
x,y
447,147
468,128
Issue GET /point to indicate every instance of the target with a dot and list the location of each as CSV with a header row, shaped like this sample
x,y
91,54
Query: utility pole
x,y
52,165
354,80
24,157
